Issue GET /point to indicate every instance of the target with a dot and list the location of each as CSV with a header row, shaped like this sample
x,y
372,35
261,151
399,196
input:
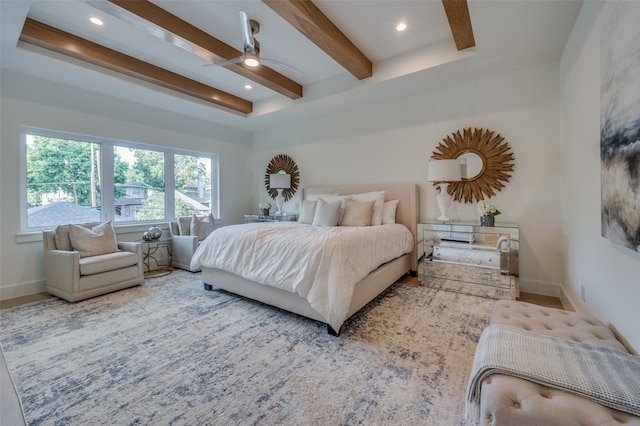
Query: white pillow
x,y
378,197
326,213
357,213
202,227
389,212
314,197
101,239
307,211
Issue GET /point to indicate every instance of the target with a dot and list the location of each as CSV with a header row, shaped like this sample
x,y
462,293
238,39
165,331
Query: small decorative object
x,y
147,236
488,212
155,232
264,208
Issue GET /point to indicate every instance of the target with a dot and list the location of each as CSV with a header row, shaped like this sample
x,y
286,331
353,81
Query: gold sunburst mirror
x,y
282,163
485,160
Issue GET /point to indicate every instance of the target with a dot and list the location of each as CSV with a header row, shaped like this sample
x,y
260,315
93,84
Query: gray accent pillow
x,y
100,239
307,212
202,227
184,225
357,213
326,213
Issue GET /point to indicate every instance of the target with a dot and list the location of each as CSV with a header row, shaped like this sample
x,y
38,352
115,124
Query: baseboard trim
x,y
542,288
12,291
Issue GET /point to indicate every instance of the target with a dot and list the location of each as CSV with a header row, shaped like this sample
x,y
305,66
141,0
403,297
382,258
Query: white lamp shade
x,y
279,181
444,171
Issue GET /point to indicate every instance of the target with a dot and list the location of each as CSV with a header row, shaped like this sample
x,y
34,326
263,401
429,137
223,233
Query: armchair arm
x,y
62,269
133,248
184,246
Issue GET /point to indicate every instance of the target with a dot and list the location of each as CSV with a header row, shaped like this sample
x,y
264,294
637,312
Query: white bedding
x,y
321,264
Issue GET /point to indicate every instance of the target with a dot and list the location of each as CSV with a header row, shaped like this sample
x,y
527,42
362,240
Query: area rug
x,y
169,352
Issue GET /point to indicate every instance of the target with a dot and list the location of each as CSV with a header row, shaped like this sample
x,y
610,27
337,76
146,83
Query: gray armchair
x,y
75,278
184,246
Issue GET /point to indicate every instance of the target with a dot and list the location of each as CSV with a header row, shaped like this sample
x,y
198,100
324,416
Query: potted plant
x,y
264,208
488,212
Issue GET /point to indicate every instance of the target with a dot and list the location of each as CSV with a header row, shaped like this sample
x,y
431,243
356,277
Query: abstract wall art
x,y
620,126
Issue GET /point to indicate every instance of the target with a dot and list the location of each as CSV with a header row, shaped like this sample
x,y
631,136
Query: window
x,y
75,179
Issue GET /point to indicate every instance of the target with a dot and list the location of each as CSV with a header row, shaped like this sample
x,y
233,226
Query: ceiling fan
x,y
251,49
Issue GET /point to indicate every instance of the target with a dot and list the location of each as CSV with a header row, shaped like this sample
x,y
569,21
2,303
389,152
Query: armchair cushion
x,y
107,262
100,239
184,225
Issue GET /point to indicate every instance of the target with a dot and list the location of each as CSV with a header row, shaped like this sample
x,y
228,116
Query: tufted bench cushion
x,y
507,400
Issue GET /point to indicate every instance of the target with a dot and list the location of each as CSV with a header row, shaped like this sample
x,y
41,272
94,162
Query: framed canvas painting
x,y
620,126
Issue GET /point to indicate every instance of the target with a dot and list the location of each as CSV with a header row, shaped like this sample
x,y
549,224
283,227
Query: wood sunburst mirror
x,y
282,163
494,163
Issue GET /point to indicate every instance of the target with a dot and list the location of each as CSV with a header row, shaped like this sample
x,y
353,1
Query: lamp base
x,y
444,201
279,202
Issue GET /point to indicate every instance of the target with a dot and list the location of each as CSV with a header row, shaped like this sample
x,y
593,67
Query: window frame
x,y
107,185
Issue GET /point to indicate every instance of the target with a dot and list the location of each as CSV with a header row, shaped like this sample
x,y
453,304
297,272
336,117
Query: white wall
x,y
33,102
609,273
394,140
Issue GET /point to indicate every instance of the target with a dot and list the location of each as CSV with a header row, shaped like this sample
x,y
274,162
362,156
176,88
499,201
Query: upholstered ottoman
x,y
507,400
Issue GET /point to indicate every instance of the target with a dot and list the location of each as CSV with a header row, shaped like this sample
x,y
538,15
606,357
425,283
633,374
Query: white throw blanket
x,y
321,264
607,376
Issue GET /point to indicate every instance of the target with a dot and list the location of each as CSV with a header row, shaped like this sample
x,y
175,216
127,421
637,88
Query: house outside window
x,y
75,179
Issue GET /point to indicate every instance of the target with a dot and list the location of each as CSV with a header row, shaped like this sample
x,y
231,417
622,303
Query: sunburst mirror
x,y
282,163
485,160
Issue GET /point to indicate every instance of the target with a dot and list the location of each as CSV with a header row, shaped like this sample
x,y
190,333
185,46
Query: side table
x,y
156,256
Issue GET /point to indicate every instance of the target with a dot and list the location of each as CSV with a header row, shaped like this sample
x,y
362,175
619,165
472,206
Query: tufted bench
x,y
507,400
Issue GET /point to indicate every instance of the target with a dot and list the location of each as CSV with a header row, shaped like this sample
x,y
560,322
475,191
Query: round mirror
x,y
282,164
485,160
471,165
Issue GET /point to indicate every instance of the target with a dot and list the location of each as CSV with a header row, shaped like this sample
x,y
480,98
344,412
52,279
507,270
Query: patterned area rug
x,y
169,352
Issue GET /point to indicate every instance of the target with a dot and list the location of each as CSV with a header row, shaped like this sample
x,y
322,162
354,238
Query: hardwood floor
x,y
10,303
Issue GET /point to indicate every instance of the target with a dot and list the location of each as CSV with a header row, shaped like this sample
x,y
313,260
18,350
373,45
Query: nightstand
x,y
286,217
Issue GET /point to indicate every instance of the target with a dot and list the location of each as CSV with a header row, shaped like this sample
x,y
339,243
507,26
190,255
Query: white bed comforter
x,y
321,264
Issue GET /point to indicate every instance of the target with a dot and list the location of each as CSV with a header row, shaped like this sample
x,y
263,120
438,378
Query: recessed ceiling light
x,y
96,21
248,86
401,26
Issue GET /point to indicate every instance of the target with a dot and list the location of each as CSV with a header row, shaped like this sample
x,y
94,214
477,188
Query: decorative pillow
x,y
101,239
378,197
184,225
357,213
202,227
307,211
343,202
326,213
314,197
389,212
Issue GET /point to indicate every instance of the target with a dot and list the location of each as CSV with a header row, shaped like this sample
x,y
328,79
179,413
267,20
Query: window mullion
x,y
169,185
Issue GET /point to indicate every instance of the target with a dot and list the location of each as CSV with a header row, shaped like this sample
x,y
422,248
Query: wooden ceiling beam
x,y
159,23
305,16
460,22
50,38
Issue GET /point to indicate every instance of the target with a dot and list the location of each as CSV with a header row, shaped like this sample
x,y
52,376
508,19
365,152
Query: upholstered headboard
x,y
406,194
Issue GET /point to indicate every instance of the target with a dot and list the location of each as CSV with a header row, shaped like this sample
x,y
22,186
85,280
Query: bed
x,y
303,300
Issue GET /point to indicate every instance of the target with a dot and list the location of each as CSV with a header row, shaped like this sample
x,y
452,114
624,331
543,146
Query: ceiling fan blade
x,y
225,62
282,66
247,34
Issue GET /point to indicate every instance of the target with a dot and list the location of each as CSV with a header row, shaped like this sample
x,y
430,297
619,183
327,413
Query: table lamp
x,y
279,181
443,172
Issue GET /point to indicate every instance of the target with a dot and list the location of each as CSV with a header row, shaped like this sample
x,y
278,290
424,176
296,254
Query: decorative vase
x,y
486,220
147,236
265,212
155,232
